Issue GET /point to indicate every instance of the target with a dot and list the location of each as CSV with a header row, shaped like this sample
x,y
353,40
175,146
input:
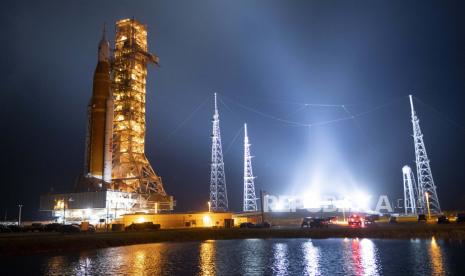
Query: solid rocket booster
x,y
99,145
108,157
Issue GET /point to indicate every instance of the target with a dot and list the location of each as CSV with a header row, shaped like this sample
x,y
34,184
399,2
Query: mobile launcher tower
x,y
117,176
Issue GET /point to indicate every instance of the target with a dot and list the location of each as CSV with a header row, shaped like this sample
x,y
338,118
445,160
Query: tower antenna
x,y
427,196
250,200
218,193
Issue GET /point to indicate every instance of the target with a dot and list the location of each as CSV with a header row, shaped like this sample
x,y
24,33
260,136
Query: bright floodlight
x,y
361,200
312,200
406,169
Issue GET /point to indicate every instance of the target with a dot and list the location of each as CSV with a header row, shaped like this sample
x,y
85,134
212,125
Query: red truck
x,y
355,220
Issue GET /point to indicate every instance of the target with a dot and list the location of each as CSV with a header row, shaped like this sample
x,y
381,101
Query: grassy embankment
x,y
30,243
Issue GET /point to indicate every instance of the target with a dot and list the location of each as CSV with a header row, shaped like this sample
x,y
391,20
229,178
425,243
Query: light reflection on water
x,y
139,261
436,258
430,254
254,257
370,261
360,257
207,258
311,256
356,262
280,263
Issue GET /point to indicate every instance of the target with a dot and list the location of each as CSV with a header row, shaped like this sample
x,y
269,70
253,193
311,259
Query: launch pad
x,y
118,178
117,171
96,207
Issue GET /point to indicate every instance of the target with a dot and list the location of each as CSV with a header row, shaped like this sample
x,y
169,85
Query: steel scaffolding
x,y
132,171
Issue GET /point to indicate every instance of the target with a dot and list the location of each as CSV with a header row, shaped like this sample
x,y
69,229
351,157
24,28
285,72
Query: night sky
x,y
266,60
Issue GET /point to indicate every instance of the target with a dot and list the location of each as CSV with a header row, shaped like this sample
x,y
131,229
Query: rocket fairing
x,y
98,151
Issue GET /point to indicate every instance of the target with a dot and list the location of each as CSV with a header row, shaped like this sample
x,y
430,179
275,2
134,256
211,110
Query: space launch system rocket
x,y
98,163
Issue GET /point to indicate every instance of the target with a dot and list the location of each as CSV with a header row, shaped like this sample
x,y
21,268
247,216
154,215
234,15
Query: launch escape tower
x,y
410,191
218,193
250,200
132,171
426,187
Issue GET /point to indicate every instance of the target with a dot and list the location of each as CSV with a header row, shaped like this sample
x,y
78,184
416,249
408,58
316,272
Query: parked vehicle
x,y
443,220
319,223
86,227
35,227
91,228
355,220
460,218
305,222
421,218
246,225
52,227
144,226
15,228
262,225
315,222
4,229
331,220
371,219
69,228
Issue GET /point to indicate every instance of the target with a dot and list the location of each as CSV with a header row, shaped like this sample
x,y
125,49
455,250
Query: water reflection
x,y
253,257
428,257
280,263
370,262
356,257
139,262
418,257
207,258
311,256
363,257
84,266
54,265
436,258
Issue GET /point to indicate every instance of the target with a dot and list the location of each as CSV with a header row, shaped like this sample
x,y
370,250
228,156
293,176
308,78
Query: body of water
x,y
254,257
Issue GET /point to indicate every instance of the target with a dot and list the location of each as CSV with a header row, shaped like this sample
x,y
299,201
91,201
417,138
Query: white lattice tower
x,y
250,200
426,185
410,190
218,193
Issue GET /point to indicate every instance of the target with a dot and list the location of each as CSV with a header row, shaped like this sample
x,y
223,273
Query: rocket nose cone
x,y
104,50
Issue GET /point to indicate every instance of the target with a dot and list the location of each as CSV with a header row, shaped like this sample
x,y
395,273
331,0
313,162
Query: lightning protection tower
x,y
426,188
410,191
218,194
250,200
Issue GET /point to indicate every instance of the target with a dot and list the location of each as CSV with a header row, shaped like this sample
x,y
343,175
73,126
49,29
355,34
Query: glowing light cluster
x,y
132,171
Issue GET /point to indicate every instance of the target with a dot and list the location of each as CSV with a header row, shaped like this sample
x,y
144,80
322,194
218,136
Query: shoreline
x,y
16,244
